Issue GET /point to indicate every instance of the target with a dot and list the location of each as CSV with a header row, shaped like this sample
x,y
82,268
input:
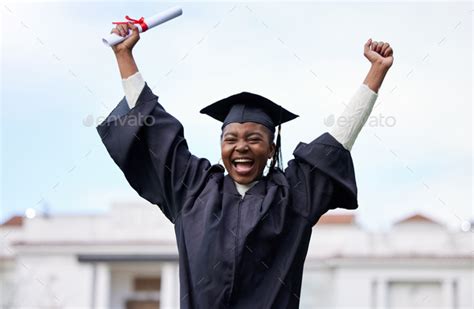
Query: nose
x,y
242,147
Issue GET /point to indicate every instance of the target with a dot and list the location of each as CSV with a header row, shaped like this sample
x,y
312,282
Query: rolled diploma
x,y
153,21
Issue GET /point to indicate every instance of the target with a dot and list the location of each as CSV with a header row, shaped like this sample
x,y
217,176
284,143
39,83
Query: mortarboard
x,y
248,107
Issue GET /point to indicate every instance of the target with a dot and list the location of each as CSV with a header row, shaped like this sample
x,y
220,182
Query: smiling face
x,y
245,149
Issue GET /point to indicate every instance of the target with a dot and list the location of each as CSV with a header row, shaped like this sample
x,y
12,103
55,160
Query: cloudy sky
x,y
58,81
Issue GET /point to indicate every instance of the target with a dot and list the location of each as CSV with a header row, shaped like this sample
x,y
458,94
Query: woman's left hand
x,y
379,53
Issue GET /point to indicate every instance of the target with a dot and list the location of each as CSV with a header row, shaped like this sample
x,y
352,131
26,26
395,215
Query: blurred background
x,y
74,234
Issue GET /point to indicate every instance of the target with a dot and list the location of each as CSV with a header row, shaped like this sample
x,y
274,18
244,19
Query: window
x,y
414,294
146,293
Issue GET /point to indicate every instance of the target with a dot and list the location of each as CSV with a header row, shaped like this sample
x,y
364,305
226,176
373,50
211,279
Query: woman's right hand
x,y
128,44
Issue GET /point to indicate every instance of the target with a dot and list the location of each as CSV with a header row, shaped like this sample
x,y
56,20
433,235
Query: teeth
x,y
242,161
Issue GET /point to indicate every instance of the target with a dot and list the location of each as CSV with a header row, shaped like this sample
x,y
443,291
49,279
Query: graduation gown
x,y
234,252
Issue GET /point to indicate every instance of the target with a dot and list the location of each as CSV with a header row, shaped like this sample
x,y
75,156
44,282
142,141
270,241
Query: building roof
x,y
337,219
415,218
127,258
14,221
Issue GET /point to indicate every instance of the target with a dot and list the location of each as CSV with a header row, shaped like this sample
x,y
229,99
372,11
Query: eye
x,y
254,139
230,139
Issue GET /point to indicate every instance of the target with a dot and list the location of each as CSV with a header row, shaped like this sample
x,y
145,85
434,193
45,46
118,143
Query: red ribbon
x,y
140,21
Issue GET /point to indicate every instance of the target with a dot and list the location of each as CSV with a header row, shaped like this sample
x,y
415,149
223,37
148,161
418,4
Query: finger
x,y
126,30
367,46
123,29
388,52
384,48
375,45
379,47
133,28
115,30
119,29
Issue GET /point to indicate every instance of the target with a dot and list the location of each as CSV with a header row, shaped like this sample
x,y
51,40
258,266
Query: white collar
x,y
242,189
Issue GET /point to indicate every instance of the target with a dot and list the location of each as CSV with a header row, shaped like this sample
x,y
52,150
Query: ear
x,y
272,150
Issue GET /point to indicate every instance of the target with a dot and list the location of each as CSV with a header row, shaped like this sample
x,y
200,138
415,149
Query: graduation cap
x,y
250,107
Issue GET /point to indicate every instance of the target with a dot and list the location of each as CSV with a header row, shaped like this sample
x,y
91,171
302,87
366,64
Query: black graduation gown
x,y
233,252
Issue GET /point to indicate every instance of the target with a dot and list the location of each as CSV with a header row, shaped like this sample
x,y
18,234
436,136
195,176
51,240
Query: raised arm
x,y
132,80
123,50
148,143
357,111
380,55
322,175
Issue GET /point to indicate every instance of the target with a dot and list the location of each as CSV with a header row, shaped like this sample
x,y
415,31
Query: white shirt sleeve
x,y
354,116
133,86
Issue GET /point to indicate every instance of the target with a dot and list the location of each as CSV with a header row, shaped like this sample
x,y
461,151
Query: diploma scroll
x,y
143,24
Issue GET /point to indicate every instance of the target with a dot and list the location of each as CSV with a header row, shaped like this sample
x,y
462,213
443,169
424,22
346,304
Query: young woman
x,y
242,236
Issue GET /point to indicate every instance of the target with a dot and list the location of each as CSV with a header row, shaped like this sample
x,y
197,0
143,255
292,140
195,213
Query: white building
x,y
127,258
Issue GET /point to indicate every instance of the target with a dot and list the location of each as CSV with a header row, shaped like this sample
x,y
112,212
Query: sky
x,y
58,81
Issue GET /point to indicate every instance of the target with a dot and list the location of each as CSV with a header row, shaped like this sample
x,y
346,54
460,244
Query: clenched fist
x,y
129,43
379,53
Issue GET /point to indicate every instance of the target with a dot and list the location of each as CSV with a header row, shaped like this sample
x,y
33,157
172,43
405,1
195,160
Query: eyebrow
x,y
246,134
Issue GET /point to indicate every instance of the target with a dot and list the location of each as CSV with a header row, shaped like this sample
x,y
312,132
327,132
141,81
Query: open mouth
x,y
243,166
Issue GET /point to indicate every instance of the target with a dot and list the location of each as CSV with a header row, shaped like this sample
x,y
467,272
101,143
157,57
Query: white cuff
x,y
133,86
354,116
